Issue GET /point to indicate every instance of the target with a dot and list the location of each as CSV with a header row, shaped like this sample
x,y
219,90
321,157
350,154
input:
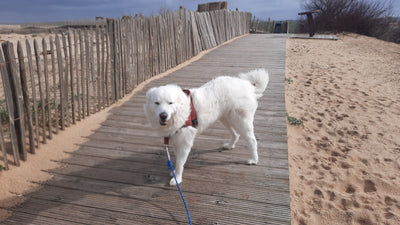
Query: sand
x,y
344,160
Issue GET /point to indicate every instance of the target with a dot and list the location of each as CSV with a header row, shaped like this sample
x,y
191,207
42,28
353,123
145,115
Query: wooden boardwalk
x,y
120,175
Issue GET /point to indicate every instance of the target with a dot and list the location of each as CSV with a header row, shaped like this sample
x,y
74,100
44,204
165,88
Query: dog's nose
x,y
163,116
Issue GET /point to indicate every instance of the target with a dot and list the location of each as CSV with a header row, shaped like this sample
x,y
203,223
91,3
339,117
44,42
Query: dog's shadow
x,y
199,158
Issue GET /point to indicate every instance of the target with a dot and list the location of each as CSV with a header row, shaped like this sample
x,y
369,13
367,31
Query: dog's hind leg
x,y
244,126
252,145
234,135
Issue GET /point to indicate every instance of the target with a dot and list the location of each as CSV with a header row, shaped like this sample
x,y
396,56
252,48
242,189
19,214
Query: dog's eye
x,y
170,103
157,103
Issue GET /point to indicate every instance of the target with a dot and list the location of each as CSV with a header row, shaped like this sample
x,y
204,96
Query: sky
x,y
23,11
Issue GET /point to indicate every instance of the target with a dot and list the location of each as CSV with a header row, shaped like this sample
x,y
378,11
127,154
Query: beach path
x,y
120,174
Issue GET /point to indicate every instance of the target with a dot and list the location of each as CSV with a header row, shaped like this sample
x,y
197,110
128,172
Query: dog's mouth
x,y
163,123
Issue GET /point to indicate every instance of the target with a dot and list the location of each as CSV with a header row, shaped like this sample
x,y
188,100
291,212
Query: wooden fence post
x,y
27,104
42,100
46,81
10,108
82,84
71,73
78,93
61,80
87,53
53,70
111,34
17,121
66,79
3,147
33,84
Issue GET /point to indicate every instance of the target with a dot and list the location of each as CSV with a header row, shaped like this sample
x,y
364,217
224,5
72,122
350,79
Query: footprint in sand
x,y
390,201
365,161
332,195
345,165
364,221
369,186
350,189
336,86
318,193
352,106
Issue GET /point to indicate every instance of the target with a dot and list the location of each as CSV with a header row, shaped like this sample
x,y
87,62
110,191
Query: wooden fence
x,y
59,80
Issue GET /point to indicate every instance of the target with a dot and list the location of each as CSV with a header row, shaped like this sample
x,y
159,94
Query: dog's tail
x,y
258,78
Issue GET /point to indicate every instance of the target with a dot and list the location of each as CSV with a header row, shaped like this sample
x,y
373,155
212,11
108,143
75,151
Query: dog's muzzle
x,y
163,118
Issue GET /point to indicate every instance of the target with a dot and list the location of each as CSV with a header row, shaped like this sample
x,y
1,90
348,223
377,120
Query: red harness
x,y
192,119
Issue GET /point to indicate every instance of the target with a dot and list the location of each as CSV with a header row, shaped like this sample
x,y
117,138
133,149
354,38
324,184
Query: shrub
x,y
367,17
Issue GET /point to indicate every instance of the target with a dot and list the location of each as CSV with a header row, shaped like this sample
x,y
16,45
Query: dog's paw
x,y
252,162
173,182
228,146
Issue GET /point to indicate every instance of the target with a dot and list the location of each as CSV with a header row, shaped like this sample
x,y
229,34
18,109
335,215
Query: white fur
x,y
232,100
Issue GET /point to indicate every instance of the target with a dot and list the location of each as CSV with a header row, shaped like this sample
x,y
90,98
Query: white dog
x,y
232,100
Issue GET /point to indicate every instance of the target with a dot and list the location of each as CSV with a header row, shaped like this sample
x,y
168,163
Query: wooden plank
x,y
52,212
227,211
22,218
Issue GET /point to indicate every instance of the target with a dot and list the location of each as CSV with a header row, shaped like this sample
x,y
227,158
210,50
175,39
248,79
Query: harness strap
x,y
192,120
166,140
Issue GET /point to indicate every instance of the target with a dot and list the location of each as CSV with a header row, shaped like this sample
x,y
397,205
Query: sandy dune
x,y
345,158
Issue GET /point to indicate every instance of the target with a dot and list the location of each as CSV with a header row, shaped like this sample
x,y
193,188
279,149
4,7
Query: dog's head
x,y
167,108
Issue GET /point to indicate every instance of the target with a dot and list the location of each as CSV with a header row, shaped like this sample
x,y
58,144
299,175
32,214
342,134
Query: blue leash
x,y
170,167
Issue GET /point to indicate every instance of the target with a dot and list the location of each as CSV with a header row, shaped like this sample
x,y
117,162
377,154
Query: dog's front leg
x,y
181,157
184,142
